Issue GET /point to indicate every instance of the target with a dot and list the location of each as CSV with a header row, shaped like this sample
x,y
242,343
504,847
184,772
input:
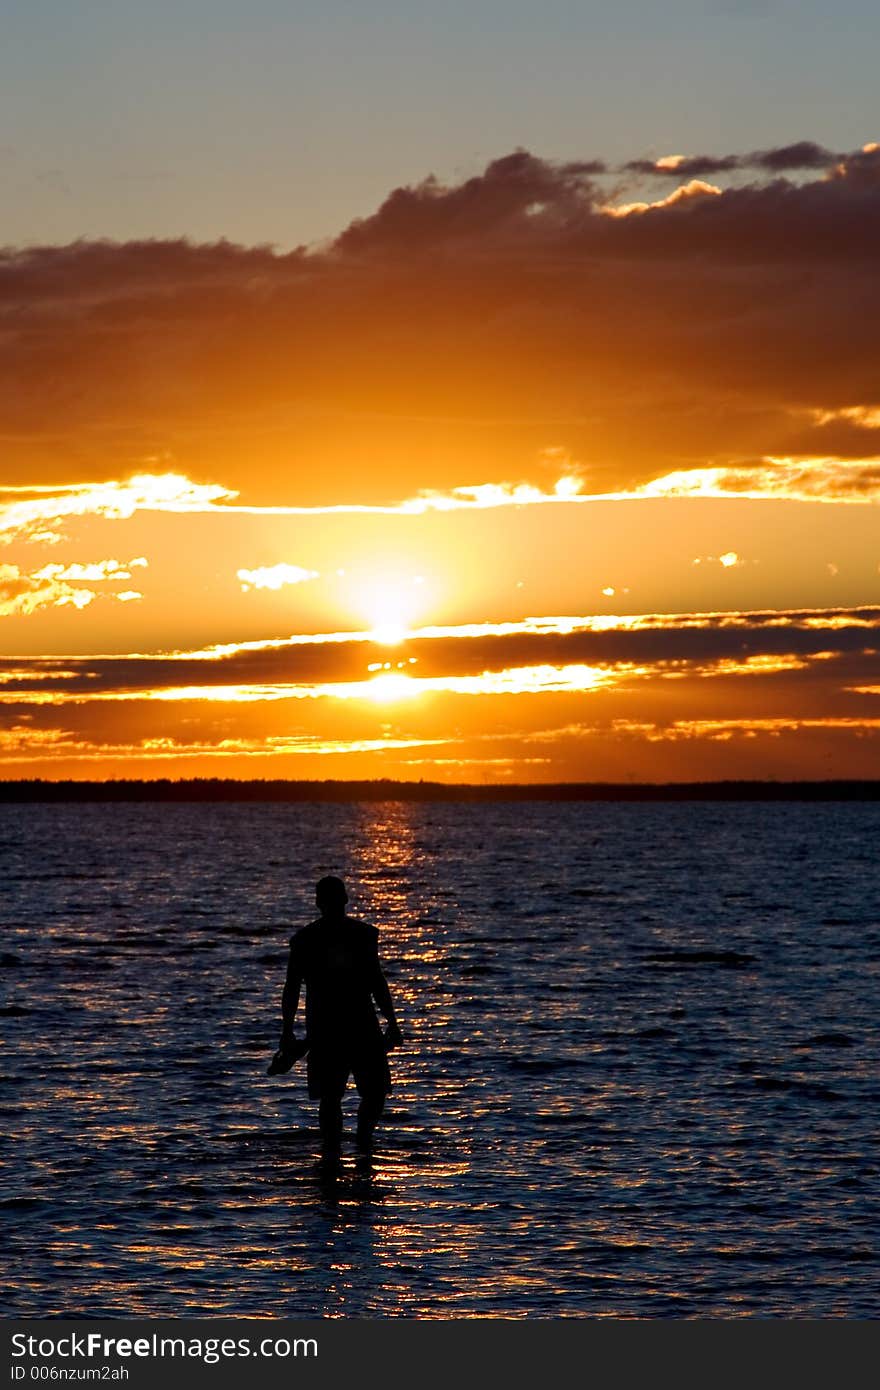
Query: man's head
x,y
330,895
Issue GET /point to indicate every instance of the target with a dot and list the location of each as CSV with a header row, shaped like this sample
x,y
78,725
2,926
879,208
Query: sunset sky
x,y
480,393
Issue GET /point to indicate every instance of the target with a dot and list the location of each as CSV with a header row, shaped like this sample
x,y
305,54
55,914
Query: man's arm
x,y
291,993
382,996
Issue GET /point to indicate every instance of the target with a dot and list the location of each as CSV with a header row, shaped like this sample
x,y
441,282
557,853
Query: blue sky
x,y
280,122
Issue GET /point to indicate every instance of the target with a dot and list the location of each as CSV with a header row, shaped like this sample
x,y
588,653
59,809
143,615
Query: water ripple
x,y
640,1072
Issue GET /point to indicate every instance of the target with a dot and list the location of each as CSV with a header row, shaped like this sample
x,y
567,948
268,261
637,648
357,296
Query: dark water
x,y
641,1074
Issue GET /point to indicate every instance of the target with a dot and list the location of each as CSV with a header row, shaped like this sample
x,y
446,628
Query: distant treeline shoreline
x,y
230,789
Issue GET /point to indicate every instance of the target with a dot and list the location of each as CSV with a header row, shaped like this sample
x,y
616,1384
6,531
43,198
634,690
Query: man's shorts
x,y
330,1067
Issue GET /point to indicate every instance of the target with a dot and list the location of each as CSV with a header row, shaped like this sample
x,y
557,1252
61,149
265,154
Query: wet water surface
x,y
640,1075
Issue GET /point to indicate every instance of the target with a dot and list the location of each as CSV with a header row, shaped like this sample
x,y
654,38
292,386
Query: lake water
x,y
640,1075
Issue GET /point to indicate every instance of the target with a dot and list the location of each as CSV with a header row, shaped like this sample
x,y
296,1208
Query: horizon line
x,y
206,789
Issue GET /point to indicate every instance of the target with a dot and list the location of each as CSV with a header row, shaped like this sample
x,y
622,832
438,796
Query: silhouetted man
x,y
337,958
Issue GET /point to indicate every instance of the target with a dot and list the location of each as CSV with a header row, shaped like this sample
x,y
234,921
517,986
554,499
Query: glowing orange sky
x,y
510,483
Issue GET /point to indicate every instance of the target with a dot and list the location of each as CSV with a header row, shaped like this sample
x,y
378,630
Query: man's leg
x,y
373,1080
371,1107
330,1122
328,1076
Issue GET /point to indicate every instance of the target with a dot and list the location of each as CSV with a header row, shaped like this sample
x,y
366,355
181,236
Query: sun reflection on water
x,y
584,1119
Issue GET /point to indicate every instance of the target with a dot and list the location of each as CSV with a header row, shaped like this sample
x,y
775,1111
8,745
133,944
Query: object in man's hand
x,y
393,1037
284,1058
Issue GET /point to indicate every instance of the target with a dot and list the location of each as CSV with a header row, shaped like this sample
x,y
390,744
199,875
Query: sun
x,y
390,605
388,631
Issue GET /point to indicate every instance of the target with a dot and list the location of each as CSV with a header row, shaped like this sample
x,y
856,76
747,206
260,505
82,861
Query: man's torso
x,y
338,962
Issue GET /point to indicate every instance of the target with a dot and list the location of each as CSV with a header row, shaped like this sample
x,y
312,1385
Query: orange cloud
x,y
411,354
31,513
98,571
695,188
819,480
796,480
726,729
61,585
274,576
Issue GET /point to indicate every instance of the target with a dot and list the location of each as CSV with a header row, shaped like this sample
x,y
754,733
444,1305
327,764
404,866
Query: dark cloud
x,y
690,166
658,645
514,194
685,706
805,154
455,333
